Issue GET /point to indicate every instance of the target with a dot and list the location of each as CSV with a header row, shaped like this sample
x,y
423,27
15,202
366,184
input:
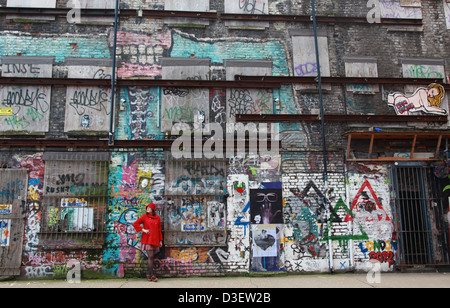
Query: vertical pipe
x,y
319,79
113,76
322,112
350,224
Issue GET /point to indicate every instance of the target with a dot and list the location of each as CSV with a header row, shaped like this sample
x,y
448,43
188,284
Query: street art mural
x,y
371,215
138,114
135,180
427,100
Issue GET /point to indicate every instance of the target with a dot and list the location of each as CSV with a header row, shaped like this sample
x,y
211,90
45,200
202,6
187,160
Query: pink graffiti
x,y
133,70
129,38
129,176
143,45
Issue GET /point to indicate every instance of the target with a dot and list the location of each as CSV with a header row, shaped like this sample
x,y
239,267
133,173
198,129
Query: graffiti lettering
x,y
306,69
89,98
250,7
21,69
32,98
385,256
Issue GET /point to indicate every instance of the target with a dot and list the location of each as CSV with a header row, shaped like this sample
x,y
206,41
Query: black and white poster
x,y
266,206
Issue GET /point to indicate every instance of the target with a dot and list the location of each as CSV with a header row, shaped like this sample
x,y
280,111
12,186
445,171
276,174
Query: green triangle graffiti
x,y
343,238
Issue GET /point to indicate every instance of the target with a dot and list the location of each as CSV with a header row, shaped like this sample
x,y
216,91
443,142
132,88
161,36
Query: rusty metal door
x,y
13,196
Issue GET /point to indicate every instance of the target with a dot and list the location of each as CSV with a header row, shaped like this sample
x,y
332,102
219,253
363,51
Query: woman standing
x,y
151,239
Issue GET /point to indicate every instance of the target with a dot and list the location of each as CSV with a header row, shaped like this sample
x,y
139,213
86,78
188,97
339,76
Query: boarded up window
x,y
422,68
254,7
248,101
75,198
195,210
97,4
361,67
305,62
75,15
187,6
401,9
88,108
185,105
25,109
32,3
447,13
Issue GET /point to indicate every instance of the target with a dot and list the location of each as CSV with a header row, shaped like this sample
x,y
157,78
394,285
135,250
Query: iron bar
x,y
148,13
239,82
99,144
137,83
338,118
342,80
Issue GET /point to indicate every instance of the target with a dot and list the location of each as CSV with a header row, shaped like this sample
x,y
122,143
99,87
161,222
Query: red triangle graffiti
x,y
365,185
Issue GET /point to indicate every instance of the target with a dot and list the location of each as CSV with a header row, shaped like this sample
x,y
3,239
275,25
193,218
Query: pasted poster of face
x,y
266,206
264,240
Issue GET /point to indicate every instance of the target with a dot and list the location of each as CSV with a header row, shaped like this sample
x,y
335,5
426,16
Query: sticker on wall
x,y
6,111
5,227
266,206
5,208
427,100
73,202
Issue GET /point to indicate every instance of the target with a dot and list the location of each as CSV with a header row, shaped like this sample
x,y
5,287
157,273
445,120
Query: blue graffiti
x,y
239,221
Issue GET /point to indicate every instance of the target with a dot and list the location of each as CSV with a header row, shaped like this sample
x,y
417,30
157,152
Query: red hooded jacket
x,y
151,223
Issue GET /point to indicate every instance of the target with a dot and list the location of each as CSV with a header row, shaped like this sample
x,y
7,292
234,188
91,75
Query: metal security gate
x,y
195,210
74,200
13,196
422,231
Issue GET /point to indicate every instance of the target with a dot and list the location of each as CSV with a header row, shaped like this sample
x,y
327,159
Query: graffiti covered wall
x,y
256,213
371,215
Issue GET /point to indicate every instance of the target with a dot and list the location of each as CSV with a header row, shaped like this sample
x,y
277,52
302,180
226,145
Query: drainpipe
x,y
322,119
113,77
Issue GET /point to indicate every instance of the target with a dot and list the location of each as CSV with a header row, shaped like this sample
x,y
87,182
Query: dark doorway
x,y
421,227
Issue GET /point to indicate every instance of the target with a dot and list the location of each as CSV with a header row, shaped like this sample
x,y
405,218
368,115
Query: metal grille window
x,y
422,231
195,211
75,199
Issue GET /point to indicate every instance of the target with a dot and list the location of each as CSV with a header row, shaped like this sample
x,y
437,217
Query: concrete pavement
x,y
341,280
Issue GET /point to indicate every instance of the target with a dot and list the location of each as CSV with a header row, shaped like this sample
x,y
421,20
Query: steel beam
x,y
239,82
208,15
340,80
137,82
101,143
338,118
